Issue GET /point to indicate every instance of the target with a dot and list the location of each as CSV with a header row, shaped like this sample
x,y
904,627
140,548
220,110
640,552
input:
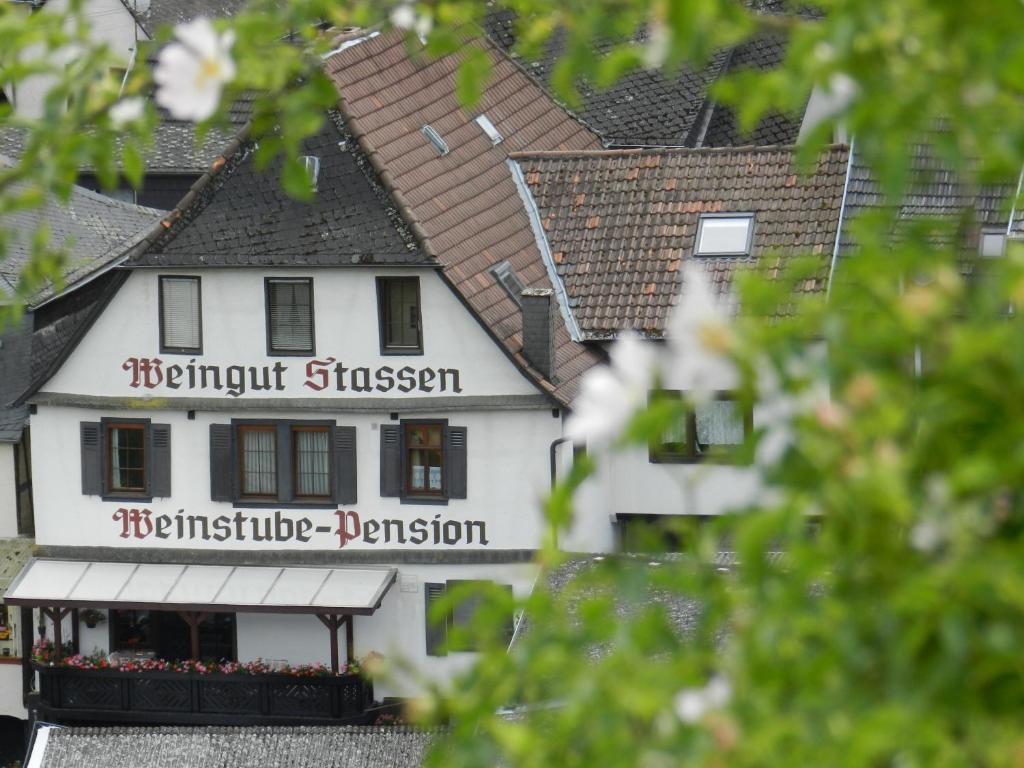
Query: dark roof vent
x,y
509,280
312,163
435,138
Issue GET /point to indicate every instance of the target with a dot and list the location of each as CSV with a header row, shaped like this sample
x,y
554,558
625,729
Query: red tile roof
x,y
464,205
620,223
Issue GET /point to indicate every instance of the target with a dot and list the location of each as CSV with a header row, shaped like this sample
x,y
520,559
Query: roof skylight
x,y
488,128
992,244
436,139
509,280
725,234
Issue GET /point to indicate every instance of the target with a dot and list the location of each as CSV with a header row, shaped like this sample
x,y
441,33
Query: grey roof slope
x,y
170,12
15,352
935,191
95,231
242,217
647,108
224,747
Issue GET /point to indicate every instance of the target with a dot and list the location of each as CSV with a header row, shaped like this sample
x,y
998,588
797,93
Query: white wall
x,y
234,333
8,493
10,692
109,22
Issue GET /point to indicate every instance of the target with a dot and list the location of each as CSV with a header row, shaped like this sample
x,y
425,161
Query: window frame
x,y
106,445
423,497
435,591
999,232
327,430
383,299
666,453
751,217
287,451
271,351
164,348
240,431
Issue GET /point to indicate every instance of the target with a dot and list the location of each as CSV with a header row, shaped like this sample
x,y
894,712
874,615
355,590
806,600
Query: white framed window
x,y
725,234
181,315
992,243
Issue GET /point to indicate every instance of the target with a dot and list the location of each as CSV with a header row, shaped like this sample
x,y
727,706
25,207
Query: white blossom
x,y
927,535
403,16
127,111
657,47
698,334
691,704
610,394
191,73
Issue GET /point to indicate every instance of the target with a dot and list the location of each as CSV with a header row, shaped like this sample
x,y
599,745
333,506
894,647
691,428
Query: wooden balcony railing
x,y
110,696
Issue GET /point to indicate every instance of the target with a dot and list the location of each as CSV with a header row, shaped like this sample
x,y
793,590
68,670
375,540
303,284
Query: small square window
x,y
725,235
290,316
992,244
181,326
398,303
705,432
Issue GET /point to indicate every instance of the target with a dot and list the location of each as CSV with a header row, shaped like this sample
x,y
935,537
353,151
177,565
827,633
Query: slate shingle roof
x,y
648,108
464,206
225,747
242,217
93,229
620,223
15,354
171,12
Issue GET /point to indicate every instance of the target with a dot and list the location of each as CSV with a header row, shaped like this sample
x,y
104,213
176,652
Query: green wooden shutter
x,y
92,458
160,460
344,468
456,460
222,464
390,460
437,631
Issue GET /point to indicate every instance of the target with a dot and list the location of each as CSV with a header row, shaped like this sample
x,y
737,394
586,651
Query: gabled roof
x,y
620,223
240,216
235,747
651,109
158,13
94,230
464,205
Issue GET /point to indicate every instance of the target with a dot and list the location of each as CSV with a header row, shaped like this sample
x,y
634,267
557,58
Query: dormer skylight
x,y
725,234
992,243
488,128
312,164
509,280
435,138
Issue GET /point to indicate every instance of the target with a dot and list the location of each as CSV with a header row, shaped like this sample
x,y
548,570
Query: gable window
x,y
707,431
423,462
290,316
181,326
398,304
439,629
126,458
282,463
725,235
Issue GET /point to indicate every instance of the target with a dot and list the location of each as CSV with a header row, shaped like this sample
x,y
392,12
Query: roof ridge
x,y
630,151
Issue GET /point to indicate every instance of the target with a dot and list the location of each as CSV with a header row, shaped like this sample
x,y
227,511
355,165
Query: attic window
x,y
312,164
488,128
992,244
725,234
435,138
509,280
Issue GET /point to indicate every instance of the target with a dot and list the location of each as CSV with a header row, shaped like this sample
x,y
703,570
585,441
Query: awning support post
x,y
333,622
350,653
193,619
56,614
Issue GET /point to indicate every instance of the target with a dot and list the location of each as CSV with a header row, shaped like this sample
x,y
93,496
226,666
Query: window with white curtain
x,y
181,323
312,465
290,316
258,465
705,430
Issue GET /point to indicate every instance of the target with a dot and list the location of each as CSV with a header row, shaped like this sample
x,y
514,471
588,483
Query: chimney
x,y
539,329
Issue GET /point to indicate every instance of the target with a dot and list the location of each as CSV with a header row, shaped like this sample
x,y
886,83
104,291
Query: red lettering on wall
x,y
346,532
146,371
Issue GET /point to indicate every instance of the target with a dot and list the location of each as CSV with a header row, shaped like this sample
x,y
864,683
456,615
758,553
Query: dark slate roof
x,y
171,12
620,223
464,206
935,191
94,230
227,747
761,54
15,353
241,217
648,108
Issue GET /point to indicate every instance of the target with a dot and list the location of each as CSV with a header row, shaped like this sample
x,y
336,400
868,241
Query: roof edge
x,y
631,151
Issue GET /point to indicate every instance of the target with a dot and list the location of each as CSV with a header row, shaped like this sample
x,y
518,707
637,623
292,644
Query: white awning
x,y
242,588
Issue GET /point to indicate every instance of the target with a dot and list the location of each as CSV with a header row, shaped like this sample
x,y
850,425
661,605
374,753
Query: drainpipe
x,y
553,456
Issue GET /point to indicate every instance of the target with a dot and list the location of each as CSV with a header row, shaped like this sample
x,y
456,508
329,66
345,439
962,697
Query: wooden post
x,y
332,621
56,615
350,651
193,619
75,638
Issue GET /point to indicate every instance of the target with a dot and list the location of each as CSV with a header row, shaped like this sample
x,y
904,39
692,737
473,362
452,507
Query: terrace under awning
x,y
334,595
